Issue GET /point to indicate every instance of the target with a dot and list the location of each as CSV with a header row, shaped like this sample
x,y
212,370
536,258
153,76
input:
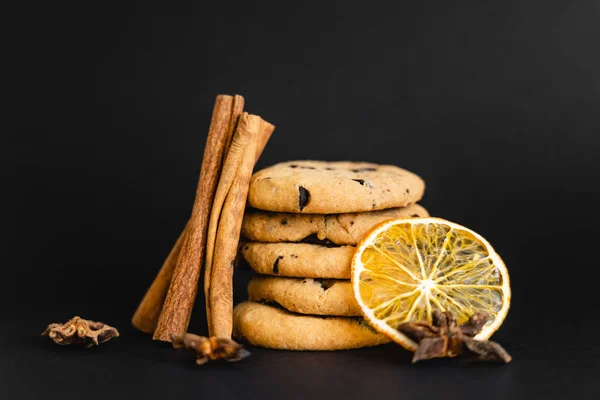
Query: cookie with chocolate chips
x,y
321,187
306,296
273,327
299,259
340,229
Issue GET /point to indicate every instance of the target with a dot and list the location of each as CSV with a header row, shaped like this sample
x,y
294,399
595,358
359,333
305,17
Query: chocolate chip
x,y
301,166
364,183
407,190
364,169
415,215
304,197
351,223
284,222
325,284
276,265
293,256
314,239
374,204
246,247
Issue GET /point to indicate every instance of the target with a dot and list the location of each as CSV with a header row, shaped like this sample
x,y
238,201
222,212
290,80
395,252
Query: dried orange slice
x,y
405,269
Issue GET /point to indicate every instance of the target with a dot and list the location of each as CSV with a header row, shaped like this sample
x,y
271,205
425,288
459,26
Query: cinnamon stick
x,y
177,308
147,313
242,137
230,168
220,298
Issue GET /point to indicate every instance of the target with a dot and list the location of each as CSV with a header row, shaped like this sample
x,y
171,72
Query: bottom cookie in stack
x,y
276,328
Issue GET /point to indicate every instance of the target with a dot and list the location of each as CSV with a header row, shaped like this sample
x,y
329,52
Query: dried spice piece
x,y
208,349
445,338
80,331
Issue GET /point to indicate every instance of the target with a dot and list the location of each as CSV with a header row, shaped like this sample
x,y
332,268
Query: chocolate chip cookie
x,y
306,296
347,228
299,259
275,328
321,187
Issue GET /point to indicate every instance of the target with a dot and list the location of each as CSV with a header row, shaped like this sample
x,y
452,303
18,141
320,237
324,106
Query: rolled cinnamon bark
x,y
220,290
240,142
179,301
230,168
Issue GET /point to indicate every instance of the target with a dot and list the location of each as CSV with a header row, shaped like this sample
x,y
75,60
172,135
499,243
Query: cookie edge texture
x,y
266,326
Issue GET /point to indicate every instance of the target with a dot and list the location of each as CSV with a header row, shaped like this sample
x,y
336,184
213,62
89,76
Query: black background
x,y
494,104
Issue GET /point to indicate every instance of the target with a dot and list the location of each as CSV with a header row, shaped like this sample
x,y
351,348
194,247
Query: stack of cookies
x,y
309,217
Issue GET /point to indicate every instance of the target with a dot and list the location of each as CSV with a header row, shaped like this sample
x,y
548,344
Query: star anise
x,y
212,348
445,338
80,331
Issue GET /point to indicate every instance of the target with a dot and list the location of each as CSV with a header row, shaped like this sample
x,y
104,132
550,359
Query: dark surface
x,y
496,106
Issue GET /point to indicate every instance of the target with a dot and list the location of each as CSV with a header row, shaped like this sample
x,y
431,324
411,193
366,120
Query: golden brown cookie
x,y
306,296
346,228
275,328
299,259
320,187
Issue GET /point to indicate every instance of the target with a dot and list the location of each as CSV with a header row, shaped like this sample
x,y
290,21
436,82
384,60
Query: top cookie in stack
x,y
314,213
319,187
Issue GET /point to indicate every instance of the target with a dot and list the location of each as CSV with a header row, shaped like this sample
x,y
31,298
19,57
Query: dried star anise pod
x,y
213,348
80,331
445,338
